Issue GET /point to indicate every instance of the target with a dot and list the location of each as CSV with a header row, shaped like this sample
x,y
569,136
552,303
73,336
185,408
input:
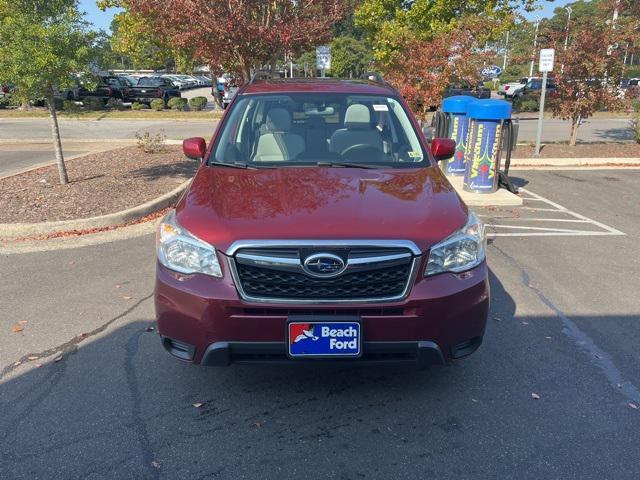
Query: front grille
x,y
382,283
378,280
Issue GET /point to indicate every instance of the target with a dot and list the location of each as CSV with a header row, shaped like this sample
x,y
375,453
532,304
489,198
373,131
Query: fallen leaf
x,y
197,404
22,322
58,358
633,405
33,358
17,363
535,396
474,400
38,365
525,323
118,286
149,329
126,297
155,464
258,424
17,329
549,338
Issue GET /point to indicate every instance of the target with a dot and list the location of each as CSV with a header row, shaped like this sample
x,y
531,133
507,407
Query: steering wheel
x,y
359,151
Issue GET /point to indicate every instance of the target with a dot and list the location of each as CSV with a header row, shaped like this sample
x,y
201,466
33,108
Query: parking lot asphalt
x,y
564,327
12,160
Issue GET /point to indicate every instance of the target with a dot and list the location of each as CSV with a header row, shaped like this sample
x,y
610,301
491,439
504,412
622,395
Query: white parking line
x,y
551,231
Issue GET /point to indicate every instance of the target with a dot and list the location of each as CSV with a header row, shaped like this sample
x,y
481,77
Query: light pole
x,y
535,45
506,50
566,38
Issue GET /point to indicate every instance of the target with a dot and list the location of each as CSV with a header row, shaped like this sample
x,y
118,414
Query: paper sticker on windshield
x,y
381,108
415,154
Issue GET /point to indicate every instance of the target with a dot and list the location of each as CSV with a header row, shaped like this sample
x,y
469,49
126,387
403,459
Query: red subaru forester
x,y
320,227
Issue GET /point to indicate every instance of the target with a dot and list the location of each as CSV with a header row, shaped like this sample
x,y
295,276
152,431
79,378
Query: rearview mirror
x,y
443,148
194,148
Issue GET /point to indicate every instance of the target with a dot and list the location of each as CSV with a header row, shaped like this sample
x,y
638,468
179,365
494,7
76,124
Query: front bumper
x,y
202,320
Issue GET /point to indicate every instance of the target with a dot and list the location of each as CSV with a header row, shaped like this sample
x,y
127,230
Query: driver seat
x,y
358,131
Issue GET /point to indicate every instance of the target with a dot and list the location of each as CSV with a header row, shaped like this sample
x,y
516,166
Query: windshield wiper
x,y
347,164
231,165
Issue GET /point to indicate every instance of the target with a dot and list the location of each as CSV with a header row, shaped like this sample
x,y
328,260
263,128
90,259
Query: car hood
x,y
223,205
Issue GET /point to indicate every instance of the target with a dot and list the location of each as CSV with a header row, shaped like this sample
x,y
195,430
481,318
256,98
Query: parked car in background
x,y
478,90
206,81
230,91
177,81
288,245
5,89
106,87
508,90
534,87
148,89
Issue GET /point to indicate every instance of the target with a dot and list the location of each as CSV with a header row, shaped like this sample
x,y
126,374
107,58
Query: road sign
x,y
547,57
323,58
493,71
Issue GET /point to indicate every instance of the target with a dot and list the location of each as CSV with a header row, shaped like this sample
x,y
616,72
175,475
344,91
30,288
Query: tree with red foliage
x,y
241,35
423,69
591,73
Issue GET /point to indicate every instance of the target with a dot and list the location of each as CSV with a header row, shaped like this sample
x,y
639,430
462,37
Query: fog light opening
x,y
178,349
466,348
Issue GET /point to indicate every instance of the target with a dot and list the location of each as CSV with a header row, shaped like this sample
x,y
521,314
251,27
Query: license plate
x,y
324,338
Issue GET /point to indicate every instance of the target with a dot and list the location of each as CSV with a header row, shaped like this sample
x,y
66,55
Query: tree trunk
x,y
274,64
57,144
574,131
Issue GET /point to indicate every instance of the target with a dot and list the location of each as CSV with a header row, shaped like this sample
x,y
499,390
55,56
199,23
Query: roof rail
x,y
374,77
260,75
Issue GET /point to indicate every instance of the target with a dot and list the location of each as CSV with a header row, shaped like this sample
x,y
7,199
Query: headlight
x,y
180,251
460,251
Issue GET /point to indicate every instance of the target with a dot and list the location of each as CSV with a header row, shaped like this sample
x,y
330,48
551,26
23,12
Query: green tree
x,y
390,24
349,57
131,39
43,44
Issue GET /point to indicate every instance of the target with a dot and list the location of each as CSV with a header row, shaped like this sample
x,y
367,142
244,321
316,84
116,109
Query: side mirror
x,y
195,148
443,148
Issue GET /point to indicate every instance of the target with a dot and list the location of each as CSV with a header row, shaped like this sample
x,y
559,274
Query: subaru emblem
x,y
324,265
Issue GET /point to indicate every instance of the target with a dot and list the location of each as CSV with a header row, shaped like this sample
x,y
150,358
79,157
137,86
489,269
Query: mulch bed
x,y
585,150
100,183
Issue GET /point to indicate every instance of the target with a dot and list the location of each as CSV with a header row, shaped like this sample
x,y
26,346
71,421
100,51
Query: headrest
x,y
357,116
278,120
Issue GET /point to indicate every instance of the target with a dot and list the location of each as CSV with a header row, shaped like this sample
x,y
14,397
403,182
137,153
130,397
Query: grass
x,y
115,114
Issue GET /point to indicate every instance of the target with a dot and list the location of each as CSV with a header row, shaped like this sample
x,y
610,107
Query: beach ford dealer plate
x,y
324,338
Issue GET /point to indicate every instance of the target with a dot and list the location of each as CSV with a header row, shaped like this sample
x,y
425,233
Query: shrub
x,y
93,103
138,106
70,106
9,100
177,103
198,103
157,104
635,127
151,143
58,104
635,105
115,104
526,104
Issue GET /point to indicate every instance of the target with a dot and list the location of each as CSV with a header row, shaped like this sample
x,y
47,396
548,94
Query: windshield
x,y
308,128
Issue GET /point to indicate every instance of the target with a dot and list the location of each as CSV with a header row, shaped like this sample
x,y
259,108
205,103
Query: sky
x,y
102,20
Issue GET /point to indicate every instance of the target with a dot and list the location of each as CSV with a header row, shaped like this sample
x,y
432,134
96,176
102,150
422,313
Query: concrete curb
x,y
19,230
575,162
